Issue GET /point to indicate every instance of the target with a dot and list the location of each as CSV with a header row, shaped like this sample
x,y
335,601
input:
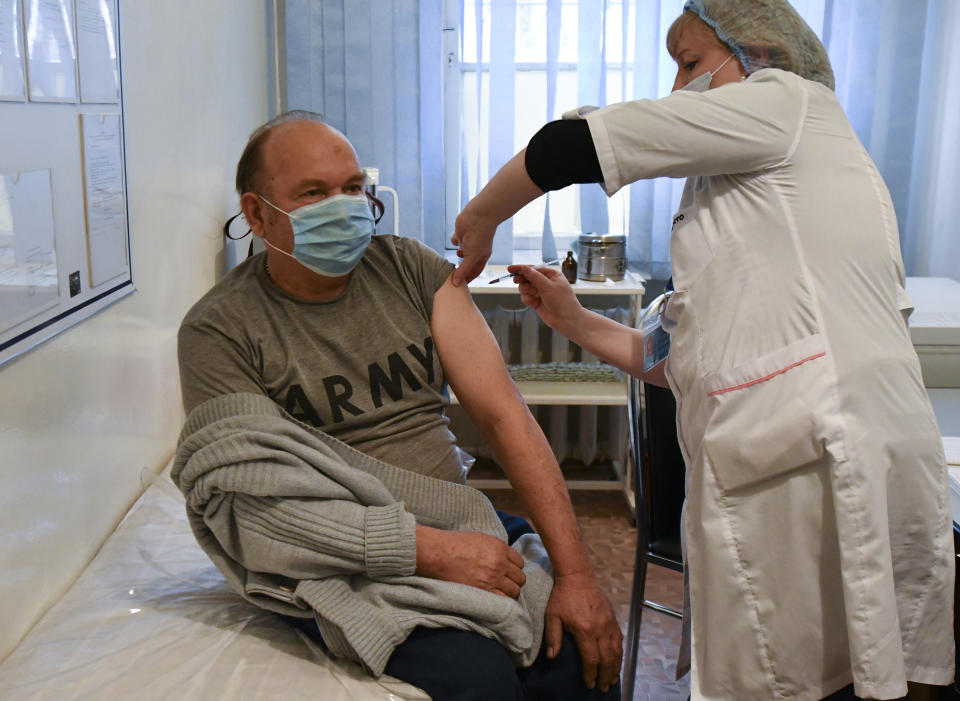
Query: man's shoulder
x,y
403,247
401,271
413,260
229,292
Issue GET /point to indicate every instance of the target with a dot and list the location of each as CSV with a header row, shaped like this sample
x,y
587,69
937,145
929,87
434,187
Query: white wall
x,y
83,413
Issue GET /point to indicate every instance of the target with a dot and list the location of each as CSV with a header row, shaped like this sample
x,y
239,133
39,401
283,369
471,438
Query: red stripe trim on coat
x,y
764,379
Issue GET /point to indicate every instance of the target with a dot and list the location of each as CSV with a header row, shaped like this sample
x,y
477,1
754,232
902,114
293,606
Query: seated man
x,y
319,471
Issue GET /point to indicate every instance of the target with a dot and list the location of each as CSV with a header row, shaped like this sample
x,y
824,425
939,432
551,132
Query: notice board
x,y
64,231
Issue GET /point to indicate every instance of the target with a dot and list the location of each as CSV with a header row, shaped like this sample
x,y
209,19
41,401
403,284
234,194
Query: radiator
x,y
588,434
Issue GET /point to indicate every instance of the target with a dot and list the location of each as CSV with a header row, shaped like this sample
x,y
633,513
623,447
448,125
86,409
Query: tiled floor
x,y
610,536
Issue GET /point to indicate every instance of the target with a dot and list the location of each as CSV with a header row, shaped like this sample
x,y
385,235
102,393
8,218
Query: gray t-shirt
x,y
361,367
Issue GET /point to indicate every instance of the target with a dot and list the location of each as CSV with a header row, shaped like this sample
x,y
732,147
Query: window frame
x,y
455,69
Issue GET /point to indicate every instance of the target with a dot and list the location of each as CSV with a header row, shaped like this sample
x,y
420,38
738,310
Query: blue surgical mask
x,y
329,236
702,82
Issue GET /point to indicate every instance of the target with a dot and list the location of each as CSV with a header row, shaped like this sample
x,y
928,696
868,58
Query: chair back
x,y
659,472
663,469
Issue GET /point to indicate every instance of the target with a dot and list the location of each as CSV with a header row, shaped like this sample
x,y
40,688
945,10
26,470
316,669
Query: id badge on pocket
x,y
656,341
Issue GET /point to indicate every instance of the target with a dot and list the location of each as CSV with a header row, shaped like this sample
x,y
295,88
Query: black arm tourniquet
x,y
562,153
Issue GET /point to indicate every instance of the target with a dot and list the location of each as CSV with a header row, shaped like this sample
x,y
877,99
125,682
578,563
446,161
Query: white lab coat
x,y
817,524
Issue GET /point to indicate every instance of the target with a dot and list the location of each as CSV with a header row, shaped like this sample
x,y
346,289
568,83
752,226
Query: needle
x,y
504,277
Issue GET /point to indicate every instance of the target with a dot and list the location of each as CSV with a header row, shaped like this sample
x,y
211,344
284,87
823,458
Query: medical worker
x,y
817,529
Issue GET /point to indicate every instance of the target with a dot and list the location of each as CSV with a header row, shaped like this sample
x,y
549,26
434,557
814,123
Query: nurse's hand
x,y
578,605
508,190
547,292
473,235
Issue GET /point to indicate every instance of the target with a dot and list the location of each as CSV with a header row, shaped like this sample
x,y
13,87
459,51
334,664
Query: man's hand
x,y
473,236
476,559
578,604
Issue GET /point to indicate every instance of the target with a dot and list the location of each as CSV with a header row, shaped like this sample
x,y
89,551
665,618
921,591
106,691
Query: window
x,y
538,59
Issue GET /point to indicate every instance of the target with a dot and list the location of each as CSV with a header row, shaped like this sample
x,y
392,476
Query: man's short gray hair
x,y
249,164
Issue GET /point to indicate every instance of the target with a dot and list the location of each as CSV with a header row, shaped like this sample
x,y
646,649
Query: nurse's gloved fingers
x,y
473,237
527,273
470,267
529,294
542,278
529,301
525,288
553,633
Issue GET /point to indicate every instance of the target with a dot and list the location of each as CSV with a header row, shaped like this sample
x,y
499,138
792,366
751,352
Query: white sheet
x,y
936,317
151,618
951,448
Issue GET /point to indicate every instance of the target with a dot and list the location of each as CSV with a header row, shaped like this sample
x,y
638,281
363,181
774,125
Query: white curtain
x,y
567,54
893,61
380,71
374,70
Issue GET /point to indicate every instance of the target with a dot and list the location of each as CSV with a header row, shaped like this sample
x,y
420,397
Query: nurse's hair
x,y
689,20
761,34
249,164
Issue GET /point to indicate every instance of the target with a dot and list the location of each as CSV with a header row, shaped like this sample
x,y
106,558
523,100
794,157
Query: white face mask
x,y
702,82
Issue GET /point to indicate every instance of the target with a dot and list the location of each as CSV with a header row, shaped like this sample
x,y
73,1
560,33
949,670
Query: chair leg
x,y
636,613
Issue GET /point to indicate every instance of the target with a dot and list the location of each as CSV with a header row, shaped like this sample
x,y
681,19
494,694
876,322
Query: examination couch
x,y
150,618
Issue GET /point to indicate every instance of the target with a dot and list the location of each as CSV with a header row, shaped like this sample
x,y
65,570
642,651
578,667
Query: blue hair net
x,y
766,34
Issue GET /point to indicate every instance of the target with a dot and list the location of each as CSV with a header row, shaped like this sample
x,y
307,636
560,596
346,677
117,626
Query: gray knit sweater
x,y
302,524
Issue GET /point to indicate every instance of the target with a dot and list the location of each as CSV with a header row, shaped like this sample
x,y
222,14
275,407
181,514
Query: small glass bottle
x,y
569,268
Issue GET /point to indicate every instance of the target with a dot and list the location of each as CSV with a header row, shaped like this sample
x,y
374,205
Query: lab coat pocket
x,y
772,415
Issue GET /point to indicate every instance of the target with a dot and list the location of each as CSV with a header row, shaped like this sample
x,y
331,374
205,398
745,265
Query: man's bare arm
x,y
473,366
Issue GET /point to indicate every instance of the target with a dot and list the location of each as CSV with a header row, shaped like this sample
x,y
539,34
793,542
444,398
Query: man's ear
x,y
252,208
376,206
